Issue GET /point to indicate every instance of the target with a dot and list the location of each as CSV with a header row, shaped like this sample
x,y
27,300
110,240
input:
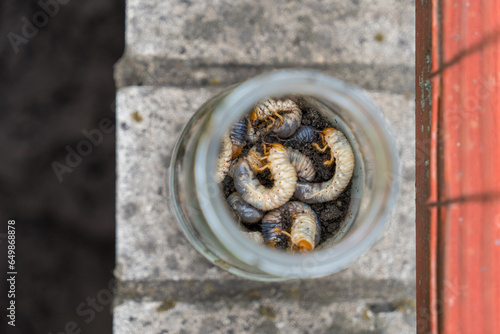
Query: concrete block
x,y
150,246
180,53
262,32
191,43
261,315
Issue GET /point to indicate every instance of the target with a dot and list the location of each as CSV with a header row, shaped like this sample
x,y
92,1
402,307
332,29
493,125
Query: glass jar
x,y
204,216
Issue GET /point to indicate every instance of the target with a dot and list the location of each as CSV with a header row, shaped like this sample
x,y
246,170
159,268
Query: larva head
x,y
236,151
328,132
305,246
254,116
278,147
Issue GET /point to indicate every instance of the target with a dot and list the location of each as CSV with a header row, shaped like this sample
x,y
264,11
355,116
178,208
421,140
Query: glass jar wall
x,y
204,216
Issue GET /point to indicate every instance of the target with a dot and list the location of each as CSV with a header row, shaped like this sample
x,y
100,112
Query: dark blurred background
x,y
56,82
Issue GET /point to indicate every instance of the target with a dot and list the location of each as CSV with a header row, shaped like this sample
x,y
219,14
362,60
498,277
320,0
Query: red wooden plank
x,y
465,133
434,171
490,97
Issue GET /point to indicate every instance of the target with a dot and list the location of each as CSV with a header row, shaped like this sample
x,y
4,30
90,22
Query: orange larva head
x,y
305,246
279,147
328,131
254,115
236,151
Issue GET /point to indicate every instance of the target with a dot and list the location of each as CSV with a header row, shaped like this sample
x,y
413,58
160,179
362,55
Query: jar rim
x,y
235,105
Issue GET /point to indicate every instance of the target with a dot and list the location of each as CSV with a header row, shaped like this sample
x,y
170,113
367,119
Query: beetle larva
x,y
271,109
342,153
305,231
245,211
302,164
238,137
224,159
254,159
253,134
282,172
272,225
289,125
255,237
304,135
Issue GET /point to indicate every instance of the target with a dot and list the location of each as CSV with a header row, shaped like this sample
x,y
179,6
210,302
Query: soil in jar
x,y
331,214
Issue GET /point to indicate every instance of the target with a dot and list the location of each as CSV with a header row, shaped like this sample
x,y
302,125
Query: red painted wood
x,y
464,191
434,174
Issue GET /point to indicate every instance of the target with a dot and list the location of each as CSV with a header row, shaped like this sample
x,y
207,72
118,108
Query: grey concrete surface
x,y
179,53
260,316
223,42
264,32
154,260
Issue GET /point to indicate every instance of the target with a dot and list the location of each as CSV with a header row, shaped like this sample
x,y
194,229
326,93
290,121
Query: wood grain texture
x,y
463,248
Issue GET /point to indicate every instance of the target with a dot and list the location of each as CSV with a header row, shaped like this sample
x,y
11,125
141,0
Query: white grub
x,y
302,164
272,109
238,136
253,134
282,172
247,213
272,226
254,159
255,237
329,190
305,231
289,125
224,159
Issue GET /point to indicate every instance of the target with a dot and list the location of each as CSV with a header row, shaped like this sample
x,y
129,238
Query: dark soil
x,y
285,244
331,214
228,186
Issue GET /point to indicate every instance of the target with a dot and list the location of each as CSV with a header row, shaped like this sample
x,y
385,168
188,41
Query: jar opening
x,y
373,186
